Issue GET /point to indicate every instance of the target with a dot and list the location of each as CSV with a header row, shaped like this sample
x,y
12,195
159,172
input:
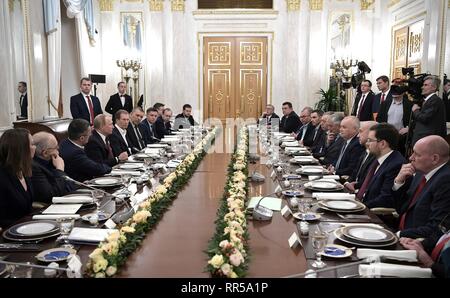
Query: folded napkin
x,y
346,224
401,255
383,269
291,144
328,177
117,172
288,139
89,234
72,200
305,158
333,196
56,216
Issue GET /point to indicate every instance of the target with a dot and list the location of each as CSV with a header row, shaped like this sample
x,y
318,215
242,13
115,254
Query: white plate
x,y
312,171
343,205
131,166
157,145
309,216
324,184
106,181
37,228
368,234
102,216
336,251
55,254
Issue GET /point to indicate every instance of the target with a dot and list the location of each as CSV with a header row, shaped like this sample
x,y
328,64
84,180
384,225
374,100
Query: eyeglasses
x,y
443,226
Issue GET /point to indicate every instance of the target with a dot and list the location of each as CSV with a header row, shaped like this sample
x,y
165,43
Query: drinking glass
x,y
303,207
318,240
97,196
147,163
65,227
18,271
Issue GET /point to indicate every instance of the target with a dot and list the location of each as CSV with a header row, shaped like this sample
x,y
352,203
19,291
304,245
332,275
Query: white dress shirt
x,y
395,114
123,133
427,178
382,159
361,102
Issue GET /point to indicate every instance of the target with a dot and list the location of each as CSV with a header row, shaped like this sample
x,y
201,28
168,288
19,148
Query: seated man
x,y
77,164
185,119
319,144
334,142
99,148
159,108
134,132
316,117
422,189
148,126
269,114
119,139
376,190
290,122
351,150
48,169
306,132
162,124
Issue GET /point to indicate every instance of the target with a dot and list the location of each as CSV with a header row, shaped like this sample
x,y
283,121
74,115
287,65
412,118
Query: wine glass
x,y
318,240
147,163
66,225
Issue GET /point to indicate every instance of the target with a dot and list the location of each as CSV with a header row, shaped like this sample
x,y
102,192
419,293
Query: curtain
x,y
52,18
74,10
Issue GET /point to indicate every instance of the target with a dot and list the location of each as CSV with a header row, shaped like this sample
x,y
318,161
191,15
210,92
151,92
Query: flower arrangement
x,y
228,249
112,253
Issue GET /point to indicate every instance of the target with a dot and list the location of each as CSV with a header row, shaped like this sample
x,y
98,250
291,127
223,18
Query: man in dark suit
x,y
269,114
134,131
48,169
422,189
351,150
77,164
317,132
334,141
84,105
148,126
306,131
99,147
430,118
119,101
362,108
119,140
446,98
185,119
319,144
376,190
23,100
358,175
162,124
290,122
385,94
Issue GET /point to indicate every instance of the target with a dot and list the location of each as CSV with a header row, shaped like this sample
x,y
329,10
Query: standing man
x,y
446,98
385,94
134,132
185,119
430,118
84,105
362,108
119,101
23,100
148,126
290,122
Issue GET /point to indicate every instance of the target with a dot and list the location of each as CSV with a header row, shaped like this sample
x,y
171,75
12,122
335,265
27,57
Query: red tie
x,y
382,97
367,180
437,249
91,109
419,189
361,106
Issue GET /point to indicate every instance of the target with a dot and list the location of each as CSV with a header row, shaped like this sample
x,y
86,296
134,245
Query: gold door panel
x,y
219,91
250,92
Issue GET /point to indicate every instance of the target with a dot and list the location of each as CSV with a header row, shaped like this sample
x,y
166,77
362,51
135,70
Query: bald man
x,y
422,188
48,169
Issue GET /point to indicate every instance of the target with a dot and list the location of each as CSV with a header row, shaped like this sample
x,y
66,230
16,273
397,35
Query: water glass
x,y
318,240
21,271
66,225
97,196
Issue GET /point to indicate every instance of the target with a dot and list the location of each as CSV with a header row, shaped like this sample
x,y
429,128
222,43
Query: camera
x,y
414,83
358,77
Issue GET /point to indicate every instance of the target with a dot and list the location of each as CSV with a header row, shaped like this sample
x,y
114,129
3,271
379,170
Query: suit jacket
x,y
118,144
149,135
309,134
359,173
114,104
162,128
430,119
136,142
377,101
48,182
350,157
80,110
366,112
274,116
384,109
332,151
15,202
24,106
290,123
379,192
318,141
78,165
182,122
446,99
431,206
98,151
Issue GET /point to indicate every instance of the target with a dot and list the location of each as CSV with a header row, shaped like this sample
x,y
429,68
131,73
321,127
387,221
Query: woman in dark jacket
x,y
16,195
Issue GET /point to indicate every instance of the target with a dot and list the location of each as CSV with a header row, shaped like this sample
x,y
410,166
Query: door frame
x,y
270,35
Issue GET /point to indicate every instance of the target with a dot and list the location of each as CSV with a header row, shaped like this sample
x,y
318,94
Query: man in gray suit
x,y
430,118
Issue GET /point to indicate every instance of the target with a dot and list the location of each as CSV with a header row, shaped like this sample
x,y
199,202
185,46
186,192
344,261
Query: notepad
x,y
268,202
89,234
62,209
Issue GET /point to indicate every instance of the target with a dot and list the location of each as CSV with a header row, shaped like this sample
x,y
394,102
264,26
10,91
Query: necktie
x,y
139,136
315,133
91,109
382,97
304,132
361,106
361,165
437,249
419,189
151,130
110,152
338,163
367,180
21,100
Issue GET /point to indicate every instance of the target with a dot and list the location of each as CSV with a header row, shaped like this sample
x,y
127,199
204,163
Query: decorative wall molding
x,y
293,5
315,4
367,4
11,5
177,5
156,5
393,2
106,5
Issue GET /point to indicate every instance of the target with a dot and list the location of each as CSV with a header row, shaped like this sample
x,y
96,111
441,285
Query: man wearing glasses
x,y
48,169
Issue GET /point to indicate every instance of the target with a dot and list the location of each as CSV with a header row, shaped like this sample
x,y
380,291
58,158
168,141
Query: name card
x,y
286,211
294,241
110,224
273,174
74,266
278,189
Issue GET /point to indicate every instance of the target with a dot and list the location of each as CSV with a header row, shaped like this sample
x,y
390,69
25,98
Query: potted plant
x,y
330,101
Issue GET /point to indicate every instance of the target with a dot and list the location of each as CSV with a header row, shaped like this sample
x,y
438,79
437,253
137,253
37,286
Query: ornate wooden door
x,y
234,77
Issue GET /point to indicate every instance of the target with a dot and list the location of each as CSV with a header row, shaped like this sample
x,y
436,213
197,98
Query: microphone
x,y
260,212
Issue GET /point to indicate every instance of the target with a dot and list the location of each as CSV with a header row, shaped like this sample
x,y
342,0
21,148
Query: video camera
x,y
360,76
413,84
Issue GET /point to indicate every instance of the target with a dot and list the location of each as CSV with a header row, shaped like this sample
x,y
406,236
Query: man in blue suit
x,y
84,105
385,94
422,188
77,165
351,150
148,126
376,190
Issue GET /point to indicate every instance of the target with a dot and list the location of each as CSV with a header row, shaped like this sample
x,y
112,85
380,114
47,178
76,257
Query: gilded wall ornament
x,y
367,4
156,5
293,5
315,4
177,5
106,5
